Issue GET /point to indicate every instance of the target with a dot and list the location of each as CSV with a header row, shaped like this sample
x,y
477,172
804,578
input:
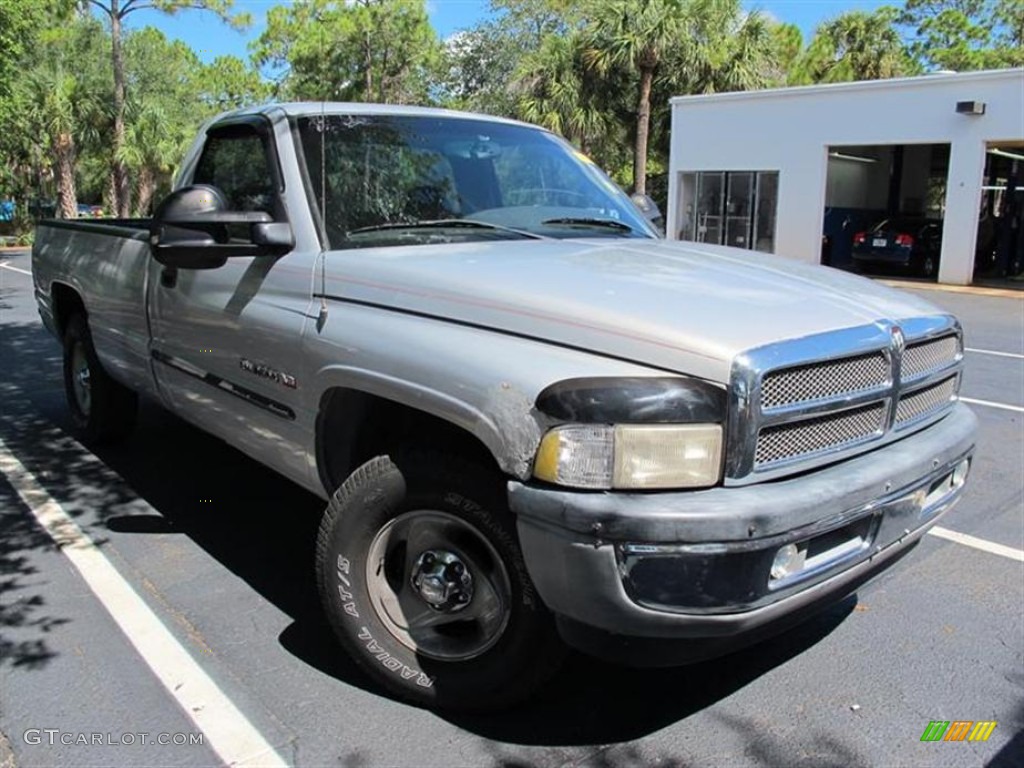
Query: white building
x,y
767,169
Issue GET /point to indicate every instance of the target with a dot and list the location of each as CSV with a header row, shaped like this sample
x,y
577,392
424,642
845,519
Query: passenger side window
x,y
237,165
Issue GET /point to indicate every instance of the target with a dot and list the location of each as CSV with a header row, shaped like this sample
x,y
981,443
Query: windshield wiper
x,y
448,224
584,221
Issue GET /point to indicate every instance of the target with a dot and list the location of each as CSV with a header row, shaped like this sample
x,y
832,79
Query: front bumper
x,y
696,564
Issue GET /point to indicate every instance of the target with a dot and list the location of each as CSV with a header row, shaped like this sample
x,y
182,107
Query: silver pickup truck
x,y
534,422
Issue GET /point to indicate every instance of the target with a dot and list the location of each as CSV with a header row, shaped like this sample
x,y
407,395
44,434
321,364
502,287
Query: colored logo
x,y
958,730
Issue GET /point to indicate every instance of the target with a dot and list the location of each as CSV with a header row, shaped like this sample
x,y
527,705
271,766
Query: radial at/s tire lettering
x,y
422,579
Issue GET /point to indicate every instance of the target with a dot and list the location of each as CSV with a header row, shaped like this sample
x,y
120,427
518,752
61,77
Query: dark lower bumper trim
x,y
670,652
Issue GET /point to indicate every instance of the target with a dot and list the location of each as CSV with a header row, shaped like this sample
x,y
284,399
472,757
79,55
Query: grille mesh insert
x,y
824,380
786,441
919,359
925,401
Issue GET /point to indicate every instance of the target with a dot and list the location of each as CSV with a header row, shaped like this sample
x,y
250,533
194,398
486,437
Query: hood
x,y
677,306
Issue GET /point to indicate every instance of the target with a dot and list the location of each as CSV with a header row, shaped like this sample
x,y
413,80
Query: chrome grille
x,y
818,399
818,381
795,439
928,356
925,401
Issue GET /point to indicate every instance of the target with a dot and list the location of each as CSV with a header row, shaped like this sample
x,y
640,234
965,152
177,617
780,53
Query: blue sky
x,y
210,38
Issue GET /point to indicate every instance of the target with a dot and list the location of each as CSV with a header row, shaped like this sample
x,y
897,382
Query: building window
x,y
736,208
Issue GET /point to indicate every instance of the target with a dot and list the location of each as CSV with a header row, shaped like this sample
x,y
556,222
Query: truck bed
x,y
106,226
106,263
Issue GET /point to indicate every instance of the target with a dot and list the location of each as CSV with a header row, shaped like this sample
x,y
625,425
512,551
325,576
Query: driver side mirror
x,y
192,228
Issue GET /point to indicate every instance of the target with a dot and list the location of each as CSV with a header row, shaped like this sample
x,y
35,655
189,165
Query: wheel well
x,y
66,302
354,426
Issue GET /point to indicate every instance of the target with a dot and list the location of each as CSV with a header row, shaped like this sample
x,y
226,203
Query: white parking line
x,y
994,352
974,541
990,404
5,265
228,732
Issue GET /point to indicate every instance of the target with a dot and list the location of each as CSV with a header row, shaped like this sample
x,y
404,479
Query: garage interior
x,y
1000,249
901,186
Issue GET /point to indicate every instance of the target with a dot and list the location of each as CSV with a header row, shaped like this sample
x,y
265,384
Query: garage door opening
x,y
884,208
1000,245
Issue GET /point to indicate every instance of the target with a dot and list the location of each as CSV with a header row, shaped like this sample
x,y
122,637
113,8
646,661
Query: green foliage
x,y
576,67
364,50
20,23
59,113
561,92
223,9
787,43
855,46
964,35
76,117
228,83
60,103
482,68
116,11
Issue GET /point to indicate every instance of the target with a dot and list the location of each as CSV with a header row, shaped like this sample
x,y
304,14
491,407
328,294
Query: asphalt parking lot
x,y
220,551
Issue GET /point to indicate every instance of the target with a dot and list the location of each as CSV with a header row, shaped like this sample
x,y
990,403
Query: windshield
x,y
398,180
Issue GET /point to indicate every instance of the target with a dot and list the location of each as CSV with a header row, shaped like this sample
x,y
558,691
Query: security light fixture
x,y
970,107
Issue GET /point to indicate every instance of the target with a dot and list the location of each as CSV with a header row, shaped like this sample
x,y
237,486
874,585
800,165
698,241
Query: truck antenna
x,y
321,319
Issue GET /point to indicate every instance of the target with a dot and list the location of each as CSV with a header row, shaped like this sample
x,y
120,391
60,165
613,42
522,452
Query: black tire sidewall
x,y
77,332
500,675
112,406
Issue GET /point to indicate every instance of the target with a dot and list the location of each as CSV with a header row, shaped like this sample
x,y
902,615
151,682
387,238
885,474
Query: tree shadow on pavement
x,y
25,625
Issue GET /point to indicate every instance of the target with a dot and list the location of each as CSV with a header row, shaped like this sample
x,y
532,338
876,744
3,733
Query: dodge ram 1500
x,y
534,422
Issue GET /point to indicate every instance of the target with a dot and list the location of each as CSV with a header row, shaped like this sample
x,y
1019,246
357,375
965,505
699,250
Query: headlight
x,y
631,456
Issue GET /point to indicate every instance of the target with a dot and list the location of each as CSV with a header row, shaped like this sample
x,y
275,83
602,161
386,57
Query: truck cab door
x,y
225,341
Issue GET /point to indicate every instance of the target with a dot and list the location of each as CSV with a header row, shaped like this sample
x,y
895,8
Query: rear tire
x,y
102,410
423,581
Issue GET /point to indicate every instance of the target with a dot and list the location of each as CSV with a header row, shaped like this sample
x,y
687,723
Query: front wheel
x,y
423,581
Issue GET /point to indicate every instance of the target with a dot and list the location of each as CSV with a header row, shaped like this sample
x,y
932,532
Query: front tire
x,y
102,410
422,579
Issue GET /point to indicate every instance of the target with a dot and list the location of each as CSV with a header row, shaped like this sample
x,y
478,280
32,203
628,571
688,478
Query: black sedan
x,y
907,243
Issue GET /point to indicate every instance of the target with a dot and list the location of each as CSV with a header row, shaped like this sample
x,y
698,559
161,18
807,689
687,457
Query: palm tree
x,y
557,90
116,12
636,35
154,144
855,46
52,111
